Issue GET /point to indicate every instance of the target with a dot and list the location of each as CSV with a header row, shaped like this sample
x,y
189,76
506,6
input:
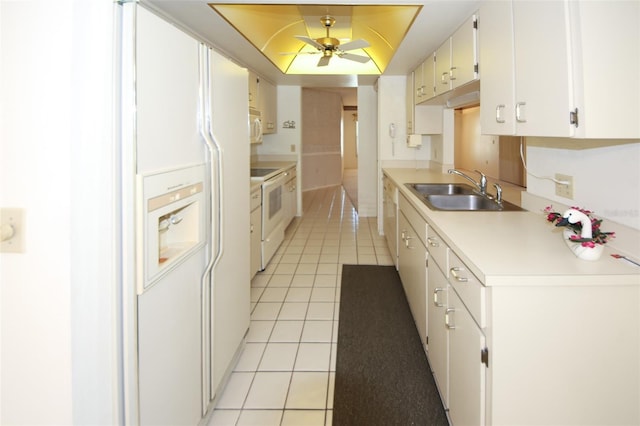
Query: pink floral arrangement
x,y
598,236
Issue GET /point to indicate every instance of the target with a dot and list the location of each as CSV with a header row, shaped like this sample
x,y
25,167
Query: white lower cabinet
x,y
518,349
438,347
290,196
390,217
412,256
467,373
256,231
456,342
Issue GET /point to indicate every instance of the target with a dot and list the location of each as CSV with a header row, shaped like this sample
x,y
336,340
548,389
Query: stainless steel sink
x,y
457,197
440,188
468,202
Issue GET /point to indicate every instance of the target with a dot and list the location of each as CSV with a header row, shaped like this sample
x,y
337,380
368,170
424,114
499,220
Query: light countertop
x,y
514,247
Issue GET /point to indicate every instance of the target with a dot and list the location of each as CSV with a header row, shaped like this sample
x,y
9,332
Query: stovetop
x,y
261,172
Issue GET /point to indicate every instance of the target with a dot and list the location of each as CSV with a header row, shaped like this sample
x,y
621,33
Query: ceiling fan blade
x,y
324,61
355,44
357,58
310,41
302,52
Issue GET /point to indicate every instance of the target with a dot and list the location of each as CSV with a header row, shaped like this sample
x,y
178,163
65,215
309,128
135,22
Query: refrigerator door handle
x,y
215,157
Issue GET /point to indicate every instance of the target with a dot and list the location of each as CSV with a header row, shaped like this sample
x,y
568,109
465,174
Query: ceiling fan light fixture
x,y
327,21
274,30
329,42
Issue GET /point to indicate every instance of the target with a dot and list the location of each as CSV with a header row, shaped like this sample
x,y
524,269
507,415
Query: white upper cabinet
x,y
464,54
428,77
606,54
423,80
254,82
527,93
409,102
497,82
418,84
268,105
422,119
443,68
457,59
560,81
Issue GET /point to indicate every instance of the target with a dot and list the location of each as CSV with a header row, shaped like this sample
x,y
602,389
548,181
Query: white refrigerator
x,y
186,149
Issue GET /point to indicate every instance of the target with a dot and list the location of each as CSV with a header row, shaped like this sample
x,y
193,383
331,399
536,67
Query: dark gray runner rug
x,y
382,373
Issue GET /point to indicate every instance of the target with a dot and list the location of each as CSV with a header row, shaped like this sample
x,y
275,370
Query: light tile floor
x,y
286,373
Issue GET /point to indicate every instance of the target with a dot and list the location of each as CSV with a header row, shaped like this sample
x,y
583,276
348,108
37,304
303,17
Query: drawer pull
x,y
448,318
406,242
433,242
454,273
435,297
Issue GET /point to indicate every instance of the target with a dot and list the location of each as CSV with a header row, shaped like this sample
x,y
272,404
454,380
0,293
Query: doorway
x,y
329,139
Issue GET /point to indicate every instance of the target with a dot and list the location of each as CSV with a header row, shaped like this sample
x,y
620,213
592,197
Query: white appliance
x,y
255,125
273,226
186,318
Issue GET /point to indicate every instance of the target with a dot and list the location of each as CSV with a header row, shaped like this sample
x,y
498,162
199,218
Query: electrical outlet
x,y
293,148
563,190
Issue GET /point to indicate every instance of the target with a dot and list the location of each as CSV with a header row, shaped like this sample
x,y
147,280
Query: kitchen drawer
x,y
256,199
469,288
414,218
437,249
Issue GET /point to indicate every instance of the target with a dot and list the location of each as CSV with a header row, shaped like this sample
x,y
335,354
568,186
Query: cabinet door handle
x,y
499,109
406,242
435,297
402,234
433,242
448,318
520,118
451,73
443,79
454,273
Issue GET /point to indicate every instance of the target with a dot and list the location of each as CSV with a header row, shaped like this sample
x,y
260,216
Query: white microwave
x,y
255,126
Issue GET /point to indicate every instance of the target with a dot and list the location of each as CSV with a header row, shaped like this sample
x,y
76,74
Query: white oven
x,y
272,207
273,181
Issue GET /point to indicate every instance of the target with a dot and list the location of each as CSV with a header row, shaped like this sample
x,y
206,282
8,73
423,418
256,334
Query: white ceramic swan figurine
x,y
573,216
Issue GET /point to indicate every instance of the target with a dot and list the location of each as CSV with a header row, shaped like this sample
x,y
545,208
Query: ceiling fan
x,y
329,45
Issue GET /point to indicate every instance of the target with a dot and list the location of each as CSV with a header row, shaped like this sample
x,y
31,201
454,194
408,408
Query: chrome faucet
x,y
498,193
482,185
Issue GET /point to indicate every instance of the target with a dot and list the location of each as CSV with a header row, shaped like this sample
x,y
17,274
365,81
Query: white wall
x,y
368,153
58,305
392,109
289,109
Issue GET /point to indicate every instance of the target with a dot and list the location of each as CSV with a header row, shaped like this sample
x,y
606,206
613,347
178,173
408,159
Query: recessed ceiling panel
x,y
272,29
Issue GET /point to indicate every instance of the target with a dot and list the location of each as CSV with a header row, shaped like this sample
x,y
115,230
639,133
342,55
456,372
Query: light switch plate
x,y
13,217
